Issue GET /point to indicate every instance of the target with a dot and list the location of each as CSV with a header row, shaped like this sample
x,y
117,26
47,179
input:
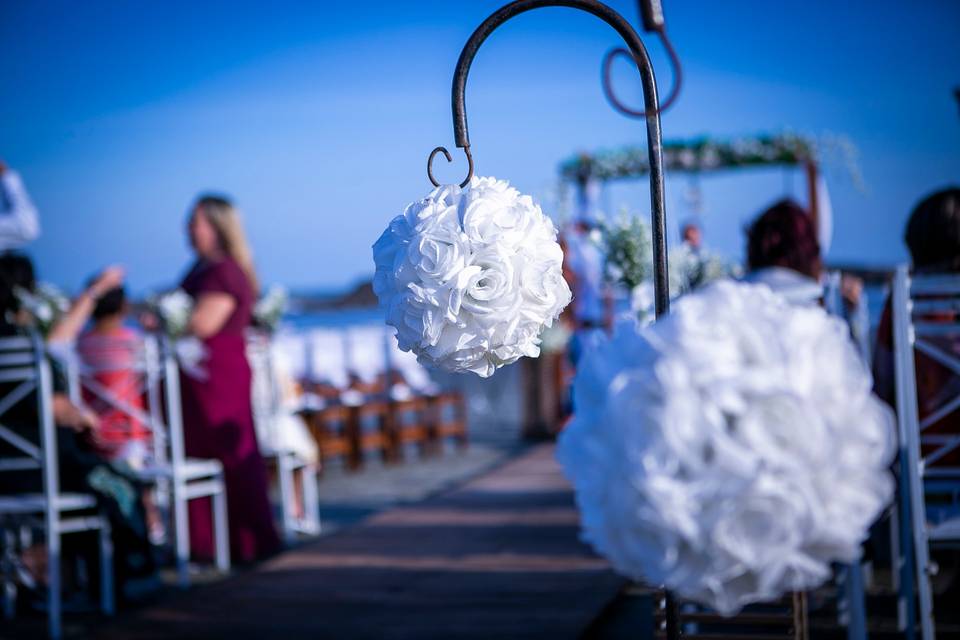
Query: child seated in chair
x,y
114,392
114,389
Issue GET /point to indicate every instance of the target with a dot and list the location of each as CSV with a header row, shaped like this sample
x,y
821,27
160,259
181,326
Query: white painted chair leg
x,y
53,577
9,579
220,531
107,597
181,529
26,537
287,495
311,500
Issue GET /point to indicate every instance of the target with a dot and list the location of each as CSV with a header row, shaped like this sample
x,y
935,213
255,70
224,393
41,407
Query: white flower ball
x,y
732,450
470,277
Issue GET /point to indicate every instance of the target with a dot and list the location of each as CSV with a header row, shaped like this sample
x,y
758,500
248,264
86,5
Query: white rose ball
x,y
732,450
470,276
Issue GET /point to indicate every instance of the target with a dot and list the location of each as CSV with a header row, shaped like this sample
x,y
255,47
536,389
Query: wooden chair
x,y
333,429
372,423
408,424
447,418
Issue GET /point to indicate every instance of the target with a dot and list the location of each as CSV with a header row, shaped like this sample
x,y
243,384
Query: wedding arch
x,y
705,154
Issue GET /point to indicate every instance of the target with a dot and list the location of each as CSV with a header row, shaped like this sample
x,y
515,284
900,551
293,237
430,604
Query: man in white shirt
x,y
19,223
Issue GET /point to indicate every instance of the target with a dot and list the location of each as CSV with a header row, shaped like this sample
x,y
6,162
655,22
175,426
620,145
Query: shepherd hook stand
x,y
654,144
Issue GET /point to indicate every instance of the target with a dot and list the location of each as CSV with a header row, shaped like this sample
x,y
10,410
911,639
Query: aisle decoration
x,y
628,249
46,304
270,308
173,309
470,276
732,451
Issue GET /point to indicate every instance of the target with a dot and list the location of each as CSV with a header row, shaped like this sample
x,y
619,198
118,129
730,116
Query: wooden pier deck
x,y
498,557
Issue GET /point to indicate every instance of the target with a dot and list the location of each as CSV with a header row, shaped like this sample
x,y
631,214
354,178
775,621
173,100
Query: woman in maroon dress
x,y
217,415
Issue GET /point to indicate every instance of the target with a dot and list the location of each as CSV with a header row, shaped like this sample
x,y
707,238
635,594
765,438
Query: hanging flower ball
x,y
470,276
731,451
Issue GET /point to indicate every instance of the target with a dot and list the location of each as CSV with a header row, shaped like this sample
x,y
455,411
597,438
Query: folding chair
x,y
267,409
177,478
23,362
926,319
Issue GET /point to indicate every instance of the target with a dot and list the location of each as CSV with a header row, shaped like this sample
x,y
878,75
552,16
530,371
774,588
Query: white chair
x,y
177,478
23,362
926,319
268,414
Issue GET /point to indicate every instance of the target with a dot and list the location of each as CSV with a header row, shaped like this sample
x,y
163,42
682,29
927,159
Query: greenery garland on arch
x,y
698,155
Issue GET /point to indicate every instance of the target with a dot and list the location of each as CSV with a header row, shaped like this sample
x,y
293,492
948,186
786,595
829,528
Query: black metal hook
x,y
449,158
648,82
608,83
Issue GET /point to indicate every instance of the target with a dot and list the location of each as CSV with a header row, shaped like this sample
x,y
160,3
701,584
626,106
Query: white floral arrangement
x,y
731,451
471,276
270,308
173,308
629,250
46,304
691,270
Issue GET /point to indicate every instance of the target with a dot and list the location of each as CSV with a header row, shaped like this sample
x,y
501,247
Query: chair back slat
x,y
15,343
18,374
944,306
928,329
935,285
16,358
18,464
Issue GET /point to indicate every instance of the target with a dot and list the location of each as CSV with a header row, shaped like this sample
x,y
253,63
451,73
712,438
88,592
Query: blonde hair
x,y
225,219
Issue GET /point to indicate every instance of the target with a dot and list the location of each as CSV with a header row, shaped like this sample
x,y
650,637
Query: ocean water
x,y
300,321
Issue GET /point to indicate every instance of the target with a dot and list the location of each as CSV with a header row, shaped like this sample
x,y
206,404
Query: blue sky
x,y
318,117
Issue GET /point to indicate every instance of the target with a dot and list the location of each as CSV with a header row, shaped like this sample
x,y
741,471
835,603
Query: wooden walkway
x,y
496,558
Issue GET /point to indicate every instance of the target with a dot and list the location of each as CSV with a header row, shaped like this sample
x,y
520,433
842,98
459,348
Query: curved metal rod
x,y
449,158
608,83
648,82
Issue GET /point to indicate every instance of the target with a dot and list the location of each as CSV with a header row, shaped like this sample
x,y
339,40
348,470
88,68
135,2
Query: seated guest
x,y
110,348
66,330
81,468
933,239
783,253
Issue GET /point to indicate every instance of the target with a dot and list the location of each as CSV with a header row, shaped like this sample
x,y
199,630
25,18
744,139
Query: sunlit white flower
x,y
269,309
470,276
732,450
174,309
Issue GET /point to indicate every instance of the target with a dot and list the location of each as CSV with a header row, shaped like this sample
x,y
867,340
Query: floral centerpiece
x,y
470,276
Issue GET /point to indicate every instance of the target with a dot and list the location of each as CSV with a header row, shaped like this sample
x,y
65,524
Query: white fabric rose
x,y
732,450
470,277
